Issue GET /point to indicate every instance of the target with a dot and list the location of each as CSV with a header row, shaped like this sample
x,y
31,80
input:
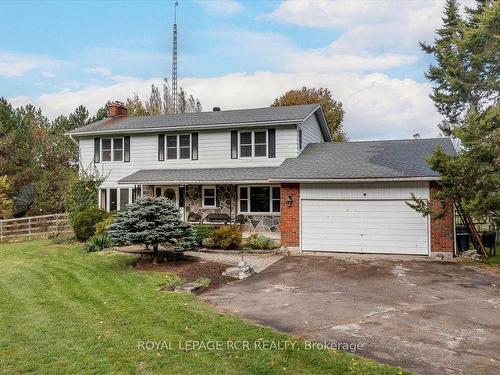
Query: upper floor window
x,y
178,147
253,144
112,149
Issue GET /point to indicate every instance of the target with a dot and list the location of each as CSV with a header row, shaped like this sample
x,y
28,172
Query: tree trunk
x,y
155,254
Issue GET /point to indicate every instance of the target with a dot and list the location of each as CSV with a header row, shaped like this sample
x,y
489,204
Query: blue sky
x,y
234,54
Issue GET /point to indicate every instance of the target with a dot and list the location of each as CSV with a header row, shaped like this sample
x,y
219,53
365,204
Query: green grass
x,y
67,312
494,260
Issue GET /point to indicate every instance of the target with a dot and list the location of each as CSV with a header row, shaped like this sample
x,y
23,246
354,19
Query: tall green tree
x,y
465,76
334,113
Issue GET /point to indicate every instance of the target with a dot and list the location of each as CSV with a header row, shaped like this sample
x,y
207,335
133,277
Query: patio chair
x,y
194,218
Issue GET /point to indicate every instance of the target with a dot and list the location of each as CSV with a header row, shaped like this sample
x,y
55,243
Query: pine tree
x,y
152,221
466,87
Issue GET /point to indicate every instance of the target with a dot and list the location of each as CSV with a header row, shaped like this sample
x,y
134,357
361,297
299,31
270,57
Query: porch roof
x,y
200,176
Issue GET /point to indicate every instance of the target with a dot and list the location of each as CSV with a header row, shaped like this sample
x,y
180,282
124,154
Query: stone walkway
x,y
258,262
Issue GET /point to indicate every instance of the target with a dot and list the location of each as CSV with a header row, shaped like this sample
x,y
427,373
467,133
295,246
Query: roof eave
x,y
193,182
184,128
354,180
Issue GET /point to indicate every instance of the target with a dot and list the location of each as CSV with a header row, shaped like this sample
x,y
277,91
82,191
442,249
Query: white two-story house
x,y
273,170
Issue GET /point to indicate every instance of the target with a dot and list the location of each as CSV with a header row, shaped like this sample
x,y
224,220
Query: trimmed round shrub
x,y
225,237
84,223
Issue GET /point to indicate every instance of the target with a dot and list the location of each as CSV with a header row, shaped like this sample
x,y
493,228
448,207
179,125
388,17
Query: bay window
x,y
259,199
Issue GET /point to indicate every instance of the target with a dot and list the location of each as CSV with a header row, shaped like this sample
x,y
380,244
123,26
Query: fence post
x,y
29,228
1,230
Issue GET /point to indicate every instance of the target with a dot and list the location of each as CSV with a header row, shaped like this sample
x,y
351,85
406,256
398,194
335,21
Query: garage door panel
x,y
368,226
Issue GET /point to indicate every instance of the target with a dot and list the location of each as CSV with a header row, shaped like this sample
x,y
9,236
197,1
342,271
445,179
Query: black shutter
x,y
97,150
126,148
194,146
271,144
234,144
161,147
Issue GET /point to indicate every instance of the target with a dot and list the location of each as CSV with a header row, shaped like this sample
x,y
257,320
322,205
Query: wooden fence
x,y
27,228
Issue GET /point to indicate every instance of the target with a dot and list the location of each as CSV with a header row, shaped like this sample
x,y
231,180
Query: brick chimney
x,y
117,109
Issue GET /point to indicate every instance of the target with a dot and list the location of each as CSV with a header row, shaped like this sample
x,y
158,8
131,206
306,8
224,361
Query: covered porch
x,y
239,196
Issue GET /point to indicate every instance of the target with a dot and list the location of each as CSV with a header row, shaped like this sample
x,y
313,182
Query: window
x,y
117,149
209,198
246,144
253,144
124,193
106,149
113,200
102,204
300,139
172,147
260,144
259,199
112,149
184,146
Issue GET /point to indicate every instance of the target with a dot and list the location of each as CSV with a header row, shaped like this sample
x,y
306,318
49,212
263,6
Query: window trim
x,y
203,188
252,144
113,150
268,213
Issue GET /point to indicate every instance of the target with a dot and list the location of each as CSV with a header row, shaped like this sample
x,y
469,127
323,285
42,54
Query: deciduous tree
x,y
334,113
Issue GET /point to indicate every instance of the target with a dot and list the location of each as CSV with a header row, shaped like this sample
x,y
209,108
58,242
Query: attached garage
x,y
351,197
363,218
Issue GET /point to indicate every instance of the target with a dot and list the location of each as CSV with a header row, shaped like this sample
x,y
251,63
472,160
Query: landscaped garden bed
x,y
189,270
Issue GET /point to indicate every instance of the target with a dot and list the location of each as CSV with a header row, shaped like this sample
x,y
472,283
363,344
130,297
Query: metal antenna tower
x,y
174,61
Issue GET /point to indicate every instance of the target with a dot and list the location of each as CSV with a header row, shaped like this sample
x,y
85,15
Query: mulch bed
x,y
189,269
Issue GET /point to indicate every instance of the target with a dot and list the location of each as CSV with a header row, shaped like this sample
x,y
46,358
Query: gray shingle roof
x,y
295,113
358,160
209,175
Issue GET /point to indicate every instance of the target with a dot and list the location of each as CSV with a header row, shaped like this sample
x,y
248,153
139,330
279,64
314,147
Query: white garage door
x,y
363,226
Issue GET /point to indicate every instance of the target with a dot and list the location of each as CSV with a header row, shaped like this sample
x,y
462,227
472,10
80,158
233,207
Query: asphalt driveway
x,y
431,317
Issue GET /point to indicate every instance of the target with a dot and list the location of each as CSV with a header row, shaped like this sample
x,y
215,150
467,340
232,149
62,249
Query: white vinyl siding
x,y
363,218
311,132
214,151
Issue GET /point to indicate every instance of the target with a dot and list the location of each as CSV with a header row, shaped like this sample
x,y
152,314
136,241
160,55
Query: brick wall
x,y
442,235
290,215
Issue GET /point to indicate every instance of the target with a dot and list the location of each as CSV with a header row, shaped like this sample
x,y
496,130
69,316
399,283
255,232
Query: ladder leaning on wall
x,y
471,229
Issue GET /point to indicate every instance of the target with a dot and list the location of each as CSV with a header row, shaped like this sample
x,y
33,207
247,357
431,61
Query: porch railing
x,y
27,228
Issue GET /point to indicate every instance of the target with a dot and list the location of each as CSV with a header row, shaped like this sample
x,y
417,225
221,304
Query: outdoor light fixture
x,y
443,204
289,201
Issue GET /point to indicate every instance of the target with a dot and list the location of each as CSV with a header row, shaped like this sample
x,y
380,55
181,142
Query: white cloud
x,y
377,106
13,64
369,24
221,8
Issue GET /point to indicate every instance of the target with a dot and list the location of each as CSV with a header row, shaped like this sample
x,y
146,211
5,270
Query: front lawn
x,y
64,311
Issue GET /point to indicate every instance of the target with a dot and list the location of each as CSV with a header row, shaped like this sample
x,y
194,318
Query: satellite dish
x,y
24,200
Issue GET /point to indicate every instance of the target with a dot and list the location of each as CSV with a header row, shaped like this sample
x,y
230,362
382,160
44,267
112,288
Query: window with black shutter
x,y
194,146
97,150
161,147
126,155
234,144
